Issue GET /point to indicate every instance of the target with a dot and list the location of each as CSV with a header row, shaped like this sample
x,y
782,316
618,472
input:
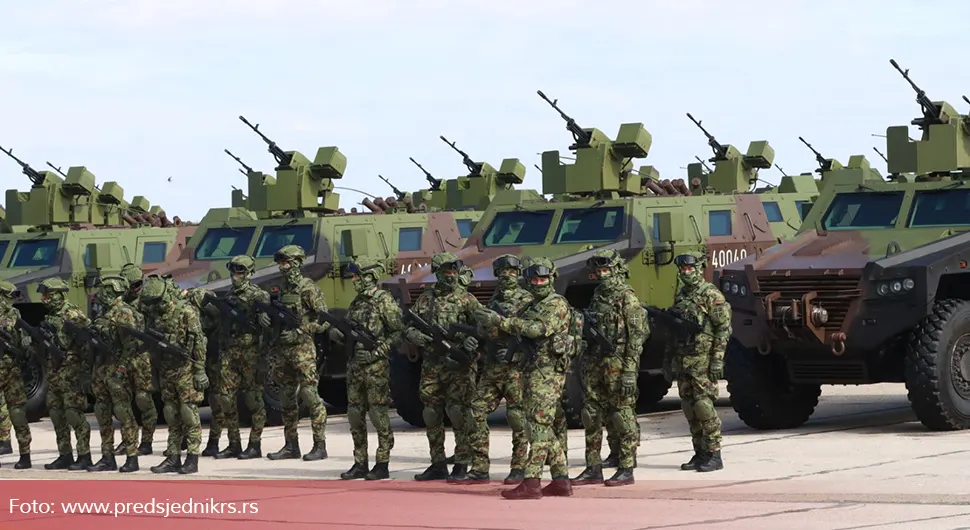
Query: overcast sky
x,y
142,90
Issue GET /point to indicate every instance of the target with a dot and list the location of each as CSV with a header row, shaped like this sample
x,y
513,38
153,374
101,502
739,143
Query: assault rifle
x,y
44,339
593,334
283,319
675,320
353,333
442,338
99,346
8,344
155,341
227,308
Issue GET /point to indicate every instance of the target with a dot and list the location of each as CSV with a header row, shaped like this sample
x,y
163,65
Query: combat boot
x,y
590,475
691,465
291,449
82,463
612,460
120,449
107,463
24,462
190,466
145,448
559,487
232,451
131,465
527,489
434,472
711,462
471,477
378,472
212,446
458,473
61,462
516,476
622,477
171,464
6,447
358,470
450,460
319,452
252,451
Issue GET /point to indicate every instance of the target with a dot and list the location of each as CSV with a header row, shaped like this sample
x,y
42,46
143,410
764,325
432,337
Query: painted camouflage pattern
x,y
111,382
12,384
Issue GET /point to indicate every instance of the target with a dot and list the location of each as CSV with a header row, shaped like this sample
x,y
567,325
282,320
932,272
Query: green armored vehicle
x,y
599,202
66,227
875,288
299,206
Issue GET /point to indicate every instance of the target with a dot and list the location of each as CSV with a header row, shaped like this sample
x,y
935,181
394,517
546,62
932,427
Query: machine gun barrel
x,y
55,168
719,150
822,163
433,181
931,114
282,158
582,137
399,193
465,159
241,163
31,173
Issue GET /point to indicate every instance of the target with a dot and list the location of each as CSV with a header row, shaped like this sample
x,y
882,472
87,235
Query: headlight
x,y
726,286
744,290
883,289
897,286
908,284
734,288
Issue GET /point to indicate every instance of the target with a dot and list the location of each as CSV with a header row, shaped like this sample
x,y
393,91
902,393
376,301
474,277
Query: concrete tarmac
x,y
862,461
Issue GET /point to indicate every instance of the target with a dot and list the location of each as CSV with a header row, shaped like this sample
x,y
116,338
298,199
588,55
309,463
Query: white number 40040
x,y
720,258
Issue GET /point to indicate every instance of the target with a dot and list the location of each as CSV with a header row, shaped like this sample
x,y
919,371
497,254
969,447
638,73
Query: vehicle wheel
x,y
271,396
405,377
35,384
334,394
937,367
574,395
652,389
761,392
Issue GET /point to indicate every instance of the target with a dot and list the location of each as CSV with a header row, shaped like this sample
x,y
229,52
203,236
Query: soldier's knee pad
x,y
18,415
618,421
310,397
74,417
101,409
355,417
223,401
190,414
456,415
432,416
379,417
170,412
516,419
144,401
704,410
589,416
122,412
254,400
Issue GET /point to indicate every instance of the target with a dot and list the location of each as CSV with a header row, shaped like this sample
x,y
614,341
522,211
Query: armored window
x,y
408,239
773,212
277,237
941,208
656,227
224,243
850,211
465,227
154,252
3,248
34,253
588,225
719,223
520,227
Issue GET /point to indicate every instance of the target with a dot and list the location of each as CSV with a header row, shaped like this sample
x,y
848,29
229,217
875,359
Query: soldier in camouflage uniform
x,y
544,327
443,379
111,382
610,376
6,447
11,377
378,315
297,367
697,363
239,363
501,378
210,317
139,370
182,379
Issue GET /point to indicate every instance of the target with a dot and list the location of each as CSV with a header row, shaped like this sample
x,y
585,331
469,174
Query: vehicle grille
x,y
828,371
834,293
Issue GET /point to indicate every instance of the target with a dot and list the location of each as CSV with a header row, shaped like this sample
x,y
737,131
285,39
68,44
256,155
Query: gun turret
x,y
932,114
581,137
36,177
720,151
281,157
435,183
823,164
248,170
474,168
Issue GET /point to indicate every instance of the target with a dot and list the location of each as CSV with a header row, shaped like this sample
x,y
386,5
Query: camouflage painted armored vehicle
x,y
66,227
299,206
599,202
874,289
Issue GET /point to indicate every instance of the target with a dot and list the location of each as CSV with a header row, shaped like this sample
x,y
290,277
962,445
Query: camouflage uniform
x,y
610,376
297,367
111,382
378,315
501,378
697,362
209,317
11,377
239,363
139,370
445,380
182,380
66,398
5,447
544,328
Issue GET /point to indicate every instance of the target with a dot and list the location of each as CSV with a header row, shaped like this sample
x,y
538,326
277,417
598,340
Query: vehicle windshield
x,y
941,208
224,243
850,211
3,248
34,253
277,237
465,227
587,225
520,227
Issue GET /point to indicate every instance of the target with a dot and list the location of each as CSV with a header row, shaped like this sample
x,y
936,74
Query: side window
x,y
773,212
408,239
465,227
720,223
344,236
656,227
803,208
153,252
87,255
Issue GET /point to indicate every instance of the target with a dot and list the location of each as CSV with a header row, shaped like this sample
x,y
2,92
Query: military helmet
x,y
9,290
53,285
506,261
365,264
447,260
132,273
290,253
688,259
241,263
605,259
153,289
542,267
115,284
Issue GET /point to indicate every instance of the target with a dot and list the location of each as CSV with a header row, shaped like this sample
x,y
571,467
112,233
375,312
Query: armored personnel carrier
x,y
600,202
875,288
299,206
66,227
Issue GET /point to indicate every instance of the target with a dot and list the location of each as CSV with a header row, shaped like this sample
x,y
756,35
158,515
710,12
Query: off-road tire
x,y
652,388
929,371
574,394
761,393
405,376
35,384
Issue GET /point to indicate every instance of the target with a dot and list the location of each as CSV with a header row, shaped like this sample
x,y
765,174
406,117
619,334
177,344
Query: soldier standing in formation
x,y
6,447
443,379
698,362
377,314
212,328
139,369
297,369
11,377
110,383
